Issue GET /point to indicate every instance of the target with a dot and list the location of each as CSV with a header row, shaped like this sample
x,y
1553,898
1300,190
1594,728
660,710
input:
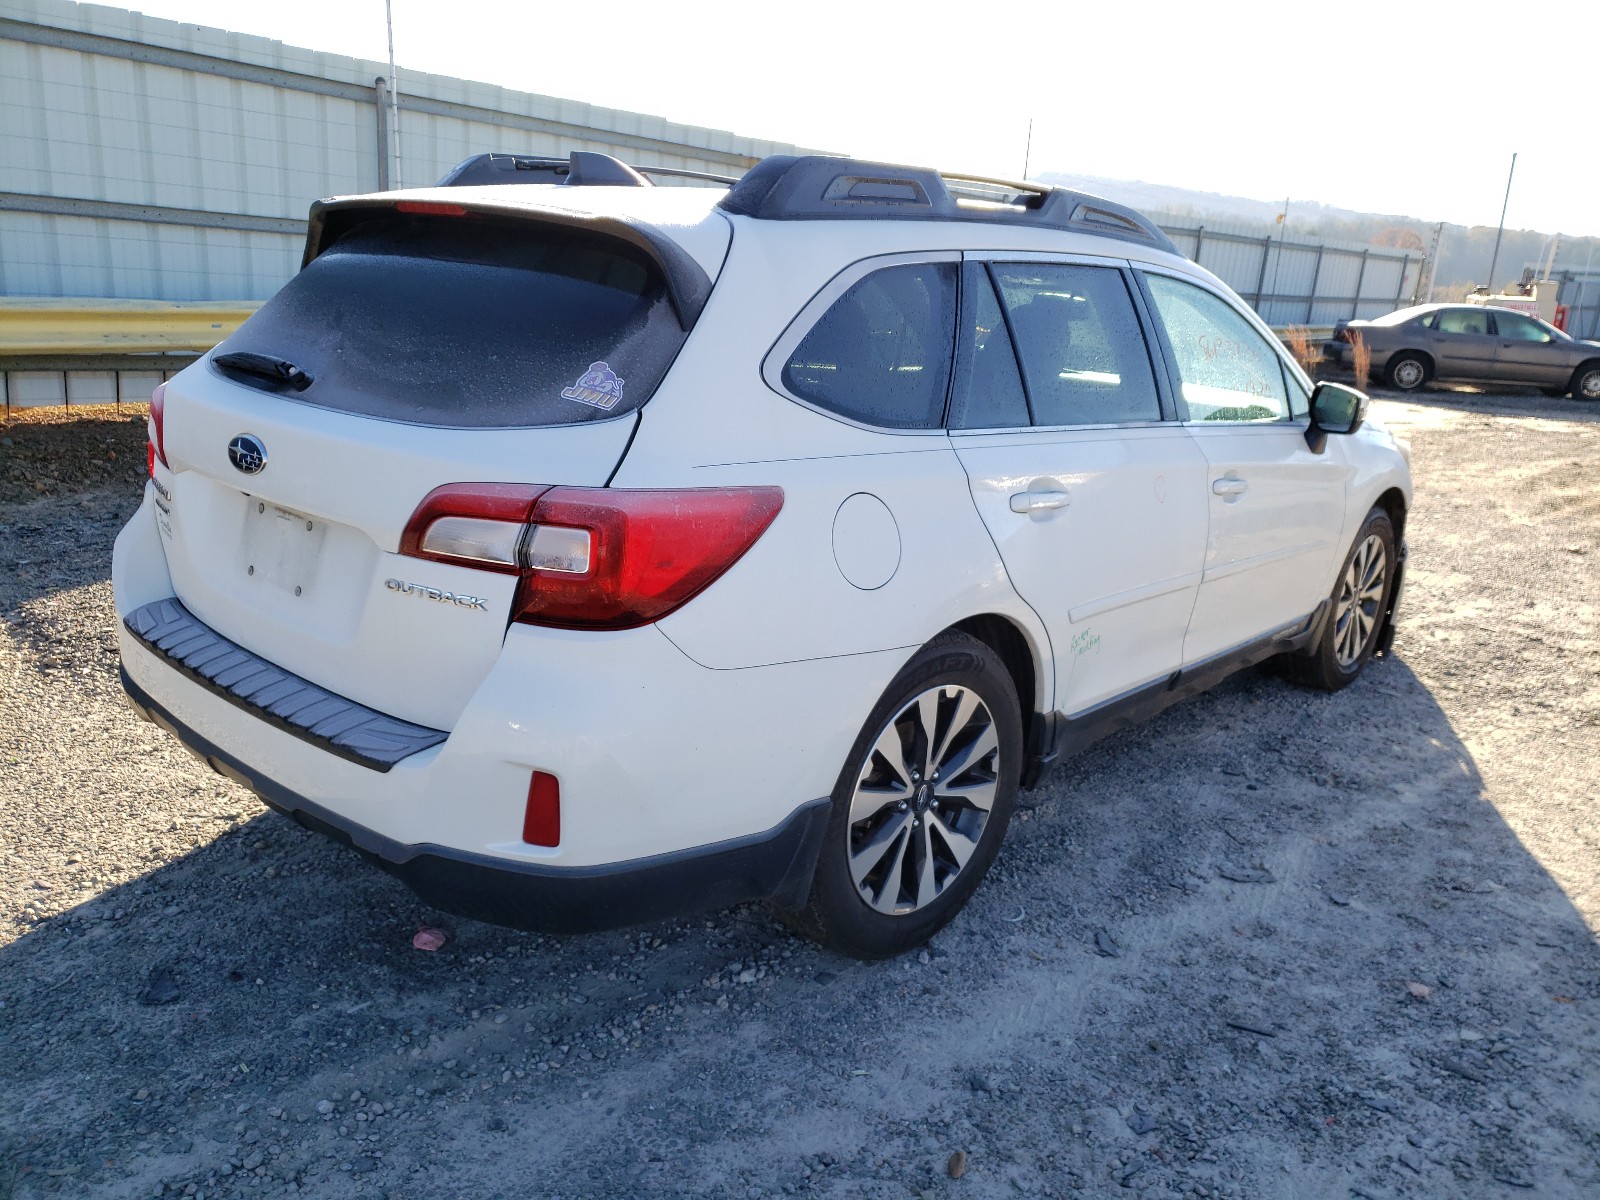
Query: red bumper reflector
x,y
541,824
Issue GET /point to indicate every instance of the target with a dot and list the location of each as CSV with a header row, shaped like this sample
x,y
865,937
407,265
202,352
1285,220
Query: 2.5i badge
x,y
598,386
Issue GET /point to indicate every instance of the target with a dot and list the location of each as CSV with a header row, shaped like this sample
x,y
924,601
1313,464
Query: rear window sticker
x,y
598,386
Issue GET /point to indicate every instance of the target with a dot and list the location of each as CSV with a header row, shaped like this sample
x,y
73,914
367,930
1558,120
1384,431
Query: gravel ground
x,y
1272,944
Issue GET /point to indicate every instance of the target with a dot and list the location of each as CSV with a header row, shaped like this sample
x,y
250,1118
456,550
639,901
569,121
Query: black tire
x,y
1586,382
1407,372
1331,665
839,913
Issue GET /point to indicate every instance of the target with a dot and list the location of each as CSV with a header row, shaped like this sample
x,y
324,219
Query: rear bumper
x,y
776,865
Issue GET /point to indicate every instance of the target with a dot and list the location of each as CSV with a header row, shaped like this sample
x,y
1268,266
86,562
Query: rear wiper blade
x,y
264,366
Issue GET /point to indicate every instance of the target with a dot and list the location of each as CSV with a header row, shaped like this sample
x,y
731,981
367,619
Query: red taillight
x,y
157,431
593,558
431,208
541,822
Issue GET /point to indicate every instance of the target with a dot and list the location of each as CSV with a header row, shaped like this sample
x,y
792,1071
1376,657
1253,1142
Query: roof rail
x,y
786,187
580,168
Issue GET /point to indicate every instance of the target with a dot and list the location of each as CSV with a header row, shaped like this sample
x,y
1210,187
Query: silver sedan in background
x,y
1476,343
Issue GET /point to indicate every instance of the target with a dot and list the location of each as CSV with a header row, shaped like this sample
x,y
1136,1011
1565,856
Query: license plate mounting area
x,y
280,548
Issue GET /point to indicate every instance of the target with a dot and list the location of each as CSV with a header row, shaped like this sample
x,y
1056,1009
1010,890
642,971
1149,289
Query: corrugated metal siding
x,y
1298,281
49,255
216,128
116,108
1580,292
96,128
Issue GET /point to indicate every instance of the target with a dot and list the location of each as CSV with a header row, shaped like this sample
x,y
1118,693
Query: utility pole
x,y
1433,263
1283,236
1494,261
394,91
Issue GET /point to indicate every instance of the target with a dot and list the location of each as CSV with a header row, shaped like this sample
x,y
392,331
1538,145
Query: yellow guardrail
x,y
88,327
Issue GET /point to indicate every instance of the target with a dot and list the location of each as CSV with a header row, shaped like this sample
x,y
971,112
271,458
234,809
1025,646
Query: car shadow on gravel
x,y
1272,943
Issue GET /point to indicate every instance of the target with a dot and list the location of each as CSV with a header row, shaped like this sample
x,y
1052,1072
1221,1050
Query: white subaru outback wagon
x,y
587,552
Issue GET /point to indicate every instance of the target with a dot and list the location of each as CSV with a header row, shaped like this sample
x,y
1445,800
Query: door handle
x,y
1230,487
1031,502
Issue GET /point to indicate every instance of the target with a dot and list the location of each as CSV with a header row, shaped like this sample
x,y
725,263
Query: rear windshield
x,y
469,323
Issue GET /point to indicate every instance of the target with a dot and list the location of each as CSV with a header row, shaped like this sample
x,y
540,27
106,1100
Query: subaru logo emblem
x,y
247,453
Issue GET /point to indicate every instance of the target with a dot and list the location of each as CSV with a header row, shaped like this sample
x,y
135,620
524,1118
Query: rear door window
x,y
1228,370
881,353
1517,328
1471,321
471,323
1084,358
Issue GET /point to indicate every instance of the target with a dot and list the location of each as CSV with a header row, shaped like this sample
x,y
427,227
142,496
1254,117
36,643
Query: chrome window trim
x,y
1008,430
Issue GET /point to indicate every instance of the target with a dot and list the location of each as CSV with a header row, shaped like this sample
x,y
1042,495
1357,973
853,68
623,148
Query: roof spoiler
x,y
786,187
688,285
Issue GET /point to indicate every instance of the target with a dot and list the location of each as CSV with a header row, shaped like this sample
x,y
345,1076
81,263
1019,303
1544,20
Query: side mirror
x,y
1334,409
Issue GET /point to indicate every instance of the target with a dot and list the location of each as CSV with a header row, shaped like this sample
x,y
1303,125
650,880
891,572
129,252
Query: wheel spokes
x,y
966,706
927,884
885,778
876,865
968,755
1360,598
923,798
959,844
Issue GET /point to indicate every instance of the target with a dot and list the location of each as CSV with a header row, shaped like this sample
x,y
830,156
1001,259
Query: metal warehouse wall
x,y
142,158
1299,282
1580,292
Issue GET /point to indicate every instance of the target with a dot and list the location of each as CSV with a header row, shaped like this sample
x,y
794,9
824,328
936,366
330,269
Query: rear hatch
x,y
424,343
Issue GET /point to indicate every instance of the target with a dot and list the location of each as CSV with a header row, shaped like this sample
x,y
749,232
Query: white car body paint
x,y
721,719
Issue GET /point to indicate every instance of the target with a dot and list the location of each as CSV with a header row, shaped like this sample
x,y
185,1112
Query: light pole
x,y
1495,259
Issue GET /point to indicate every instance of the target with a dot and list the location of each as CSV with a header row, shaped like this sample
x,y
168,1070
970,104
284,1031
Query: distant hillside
x,y
1464,256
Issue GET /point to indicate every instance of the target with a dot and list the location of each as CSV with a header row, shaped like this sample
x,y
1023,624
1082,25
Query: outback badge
x,y
247,453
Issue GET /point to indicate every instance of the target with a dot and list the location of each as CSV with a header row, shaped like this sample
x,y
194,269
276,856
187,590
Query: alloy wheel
x,y
1356,613
922,799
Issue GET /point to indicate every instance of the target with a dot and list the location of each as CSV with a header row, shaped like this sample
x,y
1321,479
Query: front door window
x,y
1228,371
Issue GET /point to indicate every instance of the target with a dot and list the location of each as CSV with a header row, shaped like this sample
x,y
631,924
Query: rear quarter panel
x,y
715,422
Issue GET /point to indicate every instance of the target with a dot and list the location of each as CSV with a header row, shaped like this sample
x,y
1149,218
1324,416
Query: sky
x,y
1398,107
